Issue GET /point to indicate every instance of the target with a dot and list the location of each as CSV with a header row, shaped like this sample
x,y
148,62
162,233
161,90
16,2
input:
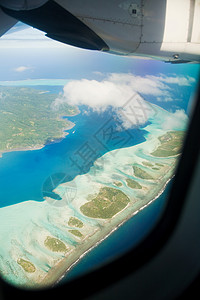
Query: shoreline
x,y
60,270
39,147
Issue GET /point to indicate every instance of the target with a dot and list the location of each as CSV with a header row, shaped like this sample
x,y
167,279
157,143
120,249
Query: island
x,y
133,184
140,173
106,204
74,222
26,265
28,120
55,244
170,144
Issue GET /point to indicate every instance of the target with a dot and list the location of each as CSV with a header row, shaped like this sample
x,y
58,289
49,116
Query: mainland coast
x,y
38,147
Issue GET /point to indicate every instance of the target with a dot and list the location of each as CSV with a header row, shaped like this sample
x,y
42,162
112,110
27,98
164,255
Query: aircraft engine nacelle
x,y
165,29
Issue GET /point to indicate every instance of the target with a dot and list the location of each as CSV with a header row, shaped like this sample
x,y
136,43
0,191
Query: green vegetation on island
x,y
55,244
147,164
26,265
171,144
133,184
28,118
118,183
106,204
159,165
76,232
75,222
141,173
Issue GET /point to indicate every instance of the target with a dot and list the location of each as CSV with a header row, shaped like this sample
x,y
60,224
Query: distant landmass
x,y
27,119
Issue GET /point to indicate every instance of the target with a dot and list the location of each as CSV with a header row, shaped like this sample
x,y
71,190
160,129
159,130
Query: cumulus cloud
x,y
97,94
176,120
22,69
135,112
179,80
115,89
148,85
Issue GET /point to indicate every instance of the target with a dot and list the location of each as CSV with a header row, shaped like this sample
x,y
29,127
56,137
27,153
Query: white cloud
x,y
165,99
177,120
135,112
148,85
116,89
179,80
22,69
97,94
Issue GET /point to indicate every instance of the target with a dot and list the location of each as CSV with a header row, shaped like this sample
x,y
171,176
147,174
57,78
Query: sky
x,y
26,53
